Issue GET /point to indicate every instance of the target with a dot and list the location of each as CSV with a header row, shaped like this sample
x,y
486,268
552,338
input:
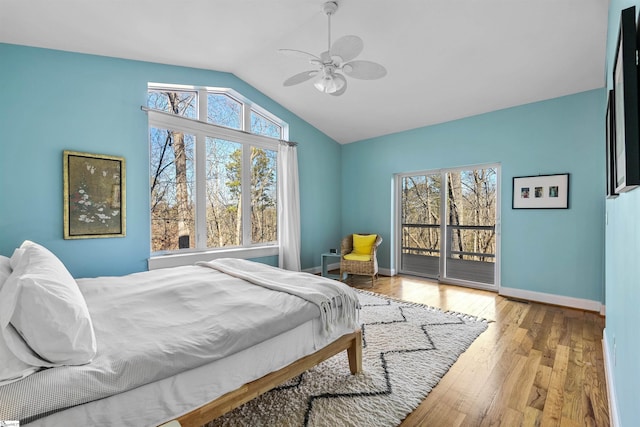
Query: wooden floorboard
x,y
536,365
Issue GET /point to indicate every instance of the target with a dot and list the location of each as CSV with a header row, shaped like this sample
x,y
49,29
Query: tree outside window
x,y
180,218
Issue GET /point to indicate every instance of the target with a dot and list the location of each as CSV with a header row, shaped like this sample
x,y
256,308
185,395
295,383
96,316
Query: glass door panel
x,y
420,224
447,227
470,238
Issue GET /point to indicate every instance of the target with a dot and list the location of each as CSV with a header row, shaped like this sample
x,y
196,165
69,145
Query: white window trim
x,y
193,126
201,129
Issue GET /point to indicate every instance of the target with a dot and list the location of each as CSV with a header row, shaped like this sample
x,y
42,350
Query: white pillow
x,y
11,368
5,269
41,300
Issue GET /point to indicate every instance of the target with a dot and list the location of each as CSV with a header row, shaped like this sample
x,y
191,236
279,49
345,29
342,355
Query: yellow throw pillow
x,y
362,243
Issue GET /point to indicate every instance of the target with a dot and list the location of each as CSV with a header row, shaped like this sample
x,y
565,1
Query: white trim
x,y
444,220
313,270
469,284
318,269
614,418
236,96
177,260
387,271
202,129
579,303
396,218
200,163
245,195
497,276
169,121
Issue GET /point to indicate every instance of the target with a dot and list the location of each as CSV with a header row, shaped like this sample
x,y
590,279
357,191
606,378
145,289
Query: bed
x,y
184,344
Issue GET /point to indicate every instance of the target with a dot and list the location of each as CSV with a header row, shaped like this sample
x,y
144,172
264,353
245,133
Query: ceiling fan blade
x,y
298,54
300,77
347,47
365,70
325,57
344,87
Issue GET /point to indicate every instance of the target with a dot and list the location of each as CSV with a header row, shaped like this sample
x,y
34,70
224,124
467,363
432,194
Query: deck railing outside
x,y
418,257
408,248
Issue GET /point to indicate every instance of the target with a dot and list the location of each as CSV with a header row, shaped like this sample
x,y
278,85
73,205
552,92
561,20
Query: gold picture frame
x,y
94,195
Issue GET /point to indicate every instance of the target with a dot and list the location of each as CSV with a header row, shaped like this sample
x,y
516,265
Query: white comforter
x,y
155,324
337,302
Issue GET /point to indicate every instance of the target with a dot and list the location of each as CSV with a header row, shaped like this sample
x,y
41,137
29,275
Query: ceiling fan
x,y
338,57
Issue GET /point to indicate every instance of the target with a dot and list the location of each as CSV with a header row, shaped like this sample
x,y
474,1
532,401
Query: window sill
x,y
177,260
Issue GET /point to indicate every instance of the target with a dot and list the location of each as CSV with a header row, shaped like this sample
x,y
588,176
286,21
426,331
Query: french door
x,y
448,225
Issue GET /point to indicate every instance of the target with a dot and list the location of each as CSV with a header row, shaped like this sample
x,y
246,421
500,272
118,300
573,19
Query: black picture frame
x,y
541,192
610,146
625,86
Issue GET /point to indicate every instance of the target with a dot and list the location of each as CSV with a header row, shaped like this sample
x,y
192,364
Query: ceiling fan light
x,y
329,83
339,56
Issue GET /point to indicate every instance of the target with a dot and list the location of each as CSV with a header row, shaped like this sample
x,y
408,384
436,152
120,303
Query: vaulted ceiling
x,y
446,59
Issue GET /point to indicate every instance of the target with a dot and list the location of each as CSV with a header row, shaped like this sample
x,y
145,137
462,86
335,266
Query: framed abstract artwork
x,y
541,192
94,195
625,86
610,123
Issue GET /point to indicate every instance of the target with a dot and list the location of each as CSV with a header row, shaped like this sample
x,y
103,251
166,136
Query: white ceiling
x,y
446,59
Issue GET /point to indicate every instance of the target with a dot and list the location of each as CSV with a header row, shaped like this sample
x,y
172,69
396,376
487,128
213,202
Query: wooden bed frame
x,y
352,342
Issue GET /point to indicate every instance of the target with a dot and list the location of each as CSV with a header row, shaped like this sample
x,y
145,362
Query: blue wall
x,y
57,101
551,251
623,273
66,101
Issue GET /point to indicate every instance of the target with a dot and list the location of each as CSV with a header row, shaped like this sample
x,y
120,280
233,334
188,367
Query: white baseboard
x,y
313,270
336,266
387,271
582,304
611,390
318,269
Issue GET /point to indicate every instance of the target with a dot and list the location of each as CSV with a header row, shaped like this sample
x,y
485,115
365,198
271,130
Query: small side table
x,y
324,261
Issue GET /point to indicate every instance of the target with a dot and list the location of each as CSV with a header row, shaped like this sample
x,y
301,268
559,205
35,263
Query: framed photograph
x,y
625,86
541,192
610,148
94,195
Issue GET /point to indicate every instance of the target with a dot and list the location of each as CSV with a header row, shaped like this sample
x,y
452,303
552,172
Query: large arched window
x,y
213,170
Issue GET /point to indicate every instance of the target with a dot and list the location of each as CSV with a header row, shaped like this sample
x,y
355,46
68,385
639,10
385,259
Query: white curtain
x,y
288,207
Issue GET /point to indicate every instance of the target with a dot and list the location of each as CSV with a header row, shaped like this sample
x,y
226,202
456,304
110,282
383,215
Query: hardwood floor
x,y
536,365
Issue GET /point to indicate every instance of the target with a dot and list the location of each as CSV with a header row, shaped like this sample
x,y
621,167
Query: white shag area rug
x,y
407,349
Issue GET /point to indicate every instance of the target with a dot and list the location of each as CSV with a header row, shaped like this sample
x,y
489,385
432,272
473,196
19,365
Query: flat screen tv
x,y
627,112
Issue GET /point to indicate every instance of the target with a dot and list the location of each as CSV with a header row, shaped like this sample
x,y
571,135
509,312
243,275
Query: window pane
x,y
172,190
264,215
421,215
224,111
179,103
472,216
260,125
224,210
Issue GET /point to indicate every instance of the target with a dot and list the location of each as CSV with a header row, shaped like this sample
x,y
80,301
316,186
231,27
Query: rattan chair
x,y
364,268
